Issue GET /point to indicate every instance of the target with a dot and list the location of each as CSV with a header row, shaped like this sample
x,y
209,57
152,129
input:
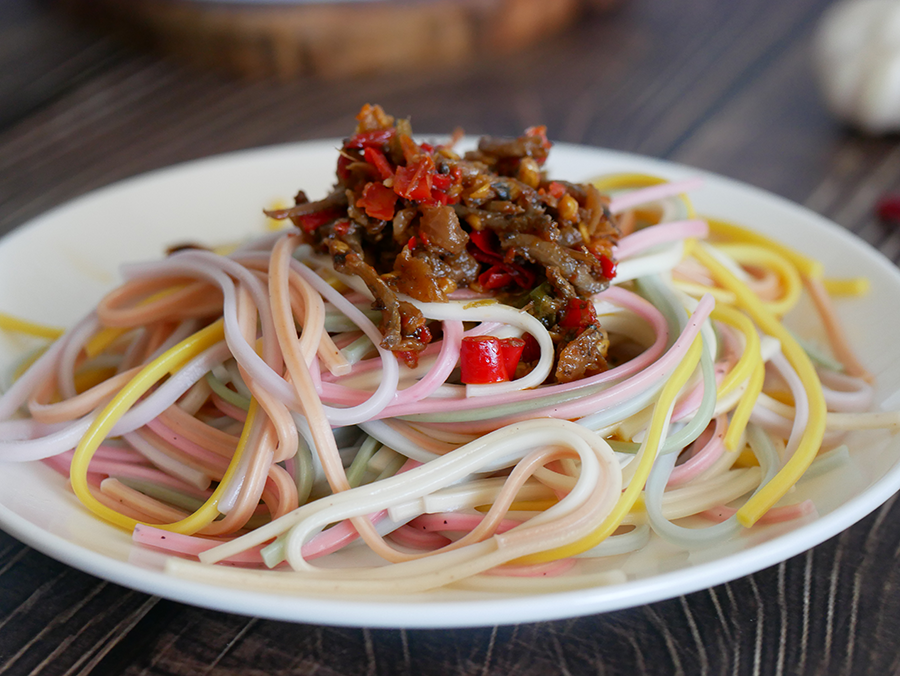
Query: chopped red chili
x,y
495,277
342,227
481,361
532,349
442,181
486,241
310,222
608,265
413,181
378,200
511,350
540,132
409,357
578,314
365,139
557,189
377,159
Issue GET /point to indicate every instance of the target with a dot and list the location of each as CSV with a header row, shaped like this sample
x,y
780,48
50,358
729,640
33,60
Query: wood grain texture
x,y
723,86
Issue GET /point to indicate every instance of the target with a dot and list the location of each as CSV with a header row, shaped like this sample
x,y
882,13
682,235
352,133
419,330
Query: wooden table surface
x,y
726,86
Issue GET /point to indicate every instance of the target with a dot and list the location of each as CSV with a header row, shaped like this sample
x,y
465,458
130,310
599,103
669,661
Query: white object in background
x,y
857,53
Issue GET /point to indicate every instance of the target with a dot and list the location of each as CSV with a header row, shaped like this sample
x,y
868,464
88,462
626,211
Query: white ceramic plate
x,y
56,268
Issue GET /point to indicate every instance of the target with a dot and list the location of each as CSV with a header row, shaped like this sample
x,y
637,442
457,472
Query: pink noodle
x,y
704,458
774,515
656,192
660,234
229,409
326,542
691,401
185,445
418,539
550,569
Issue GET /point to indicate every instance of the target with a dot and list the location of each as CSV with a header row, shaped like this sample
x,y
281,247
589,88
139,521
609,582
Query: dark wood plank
x,y
42,57
637,81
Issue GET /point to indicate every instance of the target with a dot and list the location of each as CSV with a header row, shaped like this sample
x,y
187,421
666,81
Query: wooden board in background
x,y
333,39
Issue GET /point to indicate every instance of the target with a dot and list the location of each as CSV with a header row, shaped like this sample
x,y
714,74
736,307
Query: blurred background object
x,y
333,38
857,54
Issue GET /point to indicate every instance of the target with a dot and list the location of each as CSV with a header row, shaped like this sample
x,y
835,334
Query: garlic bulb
x,y
857,53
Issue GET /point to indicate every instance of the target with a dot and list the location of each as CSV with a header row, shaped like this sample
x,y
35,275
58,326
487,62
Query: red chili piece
x,y
365,139
495,277
511,350
377,159
578,314
413,181
311,222
484,247
442,181
541,132
532,349
481,361
378,200
608,265
558,190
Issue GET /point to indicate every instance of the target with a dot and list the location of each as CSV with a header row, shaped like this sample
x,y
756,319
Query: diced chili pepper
x,y
541,132
481,361
532,349
423,335
440,184
342,227
375,138
511,350
522,275
446,187
495,277
556,189
578,314
378,200
311,222
483,256
413,181
412,243
409,357
486,241
377,159
608,265
442,181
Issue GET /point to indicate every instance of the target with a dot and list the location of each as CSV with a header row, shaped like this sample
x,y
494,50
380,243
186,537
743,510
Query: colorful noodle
x,y
241,409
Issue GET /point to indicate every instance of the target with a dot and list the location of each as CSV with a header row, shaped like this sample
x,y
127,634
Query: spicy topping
x,y
420,220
